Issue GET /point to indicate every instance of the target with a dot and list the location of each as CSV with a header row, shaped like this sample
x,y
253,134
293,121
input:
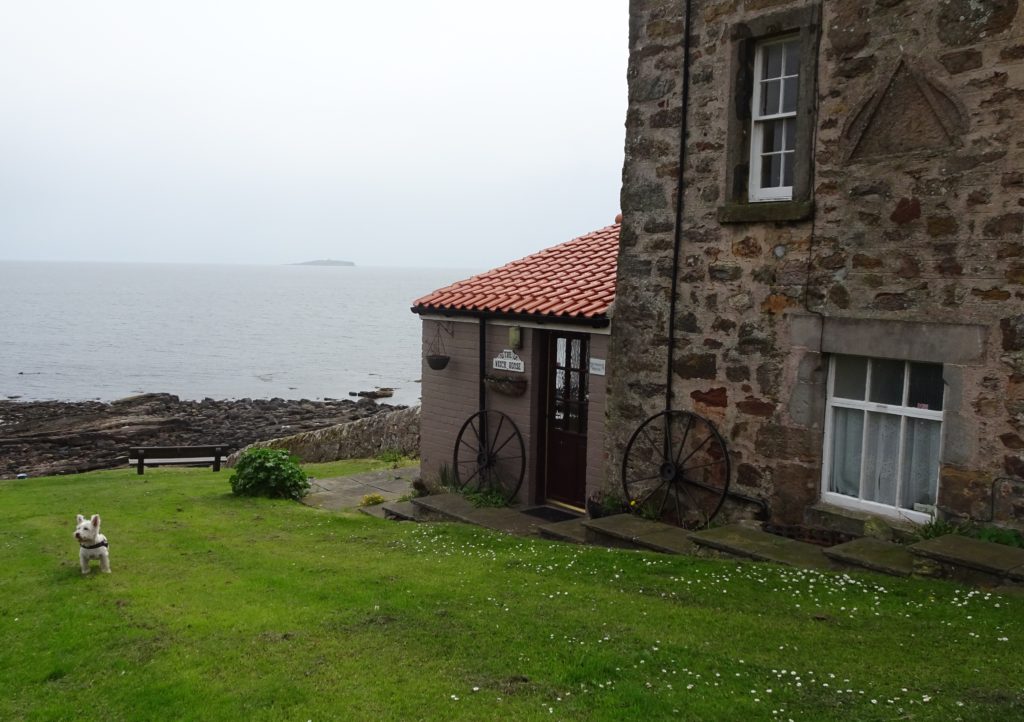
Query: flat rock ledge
x,y
41,438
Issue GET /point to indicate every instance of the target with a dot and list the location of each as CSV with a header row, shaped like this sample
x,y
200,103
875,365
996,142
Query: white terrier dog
x,y
92,544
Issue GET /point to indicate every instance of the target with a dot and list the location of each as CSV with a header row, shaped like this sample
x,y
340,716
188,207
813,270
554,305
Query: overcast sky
x,y
410,132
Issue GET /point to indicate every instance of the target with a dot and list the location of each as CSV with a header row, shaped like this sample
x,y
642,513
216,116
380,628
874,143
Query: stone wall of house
x,y
363,439
918,186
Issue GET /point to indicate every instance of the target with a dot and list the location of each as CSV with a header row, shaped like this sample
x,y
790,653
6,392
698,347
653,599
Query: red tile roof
x,y
573,280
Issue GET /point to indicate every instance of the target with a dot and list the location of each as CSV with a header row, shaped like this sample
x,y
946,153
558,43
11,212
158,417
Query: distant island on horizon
x,y
324,262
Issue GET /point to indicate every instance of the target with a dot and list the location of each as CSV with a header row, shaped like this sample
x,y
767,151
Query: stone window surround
x,y
745,36
955,346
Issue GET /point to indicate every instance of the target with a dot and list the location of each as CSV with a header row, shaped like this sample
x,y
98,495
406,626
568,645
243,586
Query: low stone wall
x,y
365,438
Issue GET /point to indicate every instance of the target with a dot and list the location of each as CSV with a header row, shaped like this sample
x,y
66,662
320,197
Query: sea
x,y
103,331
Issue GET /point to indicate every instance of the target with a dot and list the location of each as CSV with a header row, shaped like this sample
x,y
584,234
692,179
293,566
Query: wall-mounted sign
x,y
597,366
508,361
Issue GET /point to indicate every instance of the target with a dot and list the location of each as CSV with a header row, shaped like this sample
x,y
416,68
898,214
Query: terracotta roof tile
x,y
575,279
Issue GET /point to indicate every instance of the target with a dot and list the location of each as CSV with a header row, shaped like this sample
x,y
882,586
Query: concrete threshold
x,y
874,554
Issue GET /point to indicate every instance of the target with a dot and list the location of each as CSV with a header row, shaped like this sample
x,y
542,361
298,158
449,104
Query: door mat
x,y
550,514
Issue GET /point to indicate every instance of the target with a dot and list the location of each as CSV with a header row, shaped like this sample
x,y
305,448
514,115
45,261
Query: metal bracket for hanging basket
x,y
437,355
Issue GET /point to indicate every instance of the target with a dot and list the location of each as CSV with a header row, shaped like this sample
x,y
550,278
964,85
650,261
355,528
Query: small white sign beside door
x,y
597,366
508,361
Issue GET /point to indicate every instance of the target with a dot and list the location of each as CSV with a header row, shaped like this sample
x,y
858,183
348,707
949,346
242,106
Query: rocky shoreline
x,y
60,437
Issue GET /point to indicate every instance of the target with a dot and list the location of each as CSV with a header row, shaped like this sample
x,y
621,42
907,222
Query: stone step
x,y
399,510
874,554
571,530
967,559
376,511
742,541
442,507
858,523
454,507
627,531
618,530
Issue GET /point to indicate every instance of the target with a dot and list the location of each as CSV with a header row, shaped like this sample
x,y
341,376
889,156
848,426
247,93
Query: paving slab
x,y
964,551
443,507
377,511
621,527
509,521
874,554
346,492
400,510
743,541
670,540
571,530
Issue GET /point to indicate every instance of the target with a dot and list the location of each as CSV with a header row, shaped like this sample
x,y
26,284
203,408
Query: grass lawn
x,y
237,609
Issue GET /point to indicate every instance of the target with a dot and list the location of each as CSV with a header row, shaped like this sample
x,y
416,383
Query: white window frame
x,y
904,412
757,194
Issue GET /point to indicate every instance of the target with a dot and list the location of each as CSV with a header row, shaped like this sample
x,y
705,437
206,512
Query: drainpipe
x,y
680,196
483,363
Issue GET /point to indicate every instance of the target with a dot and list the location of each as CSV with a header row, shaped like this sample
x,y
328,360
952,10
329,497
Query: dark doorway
x,y
566,418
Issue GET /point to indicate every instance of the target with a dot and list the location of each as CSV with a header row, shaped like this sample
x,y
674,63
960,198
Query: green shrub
x,y
372,500
269,472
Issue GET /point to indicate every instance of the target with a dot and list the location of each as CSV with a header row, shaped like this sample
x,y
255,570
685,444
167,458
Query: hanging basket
x,y
437,361
506,385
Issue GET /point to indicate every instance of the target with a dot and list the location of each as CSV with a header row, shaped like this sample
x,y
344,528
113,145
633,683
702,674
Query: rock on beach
x,y
59,437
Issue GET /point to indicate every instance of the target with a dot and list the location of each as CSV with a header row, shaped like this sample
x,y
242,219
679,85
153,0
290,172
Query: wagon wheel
x,y
676,469
489,455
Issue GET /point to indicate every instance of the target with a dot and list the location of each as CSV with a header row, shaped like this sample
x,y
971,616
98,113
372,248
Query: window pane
x,y
847,439
772,61
920,463
926,387
771,170
560,352
790,133
851,376
770,90
559,383
773,132
881,458
887,381
577,350
574,386
787,169
792,50
789,93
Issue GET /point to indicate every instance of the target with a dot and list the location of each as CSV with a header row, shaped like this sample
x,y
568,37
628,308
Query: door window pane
x,y
851,377
887,381
559,383
926,387
847,439
881,458
920,463
560,352
577,353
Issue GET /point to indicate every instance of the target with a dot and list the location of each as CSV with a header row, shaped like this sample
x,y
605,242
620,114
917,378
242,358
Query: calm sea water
x,y
77,331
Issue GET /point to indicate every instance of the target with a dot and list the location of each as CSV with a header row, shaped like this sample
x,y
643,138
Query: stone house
x,y
525,344
850,263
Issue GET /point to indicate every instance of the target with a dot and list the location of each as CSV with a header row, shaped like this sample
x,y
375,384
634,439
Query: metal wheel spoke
x,y
682,444
504,444
696,506
497,433
699,447
649,495
703,466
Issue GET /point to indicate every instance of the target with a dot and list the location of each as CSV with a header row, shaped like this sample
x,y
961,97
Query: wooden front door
x,y
566,417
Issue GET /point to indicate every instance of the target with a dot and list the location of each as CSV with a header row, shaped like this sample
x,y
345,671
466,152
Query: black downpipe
x,y
680,196
483,363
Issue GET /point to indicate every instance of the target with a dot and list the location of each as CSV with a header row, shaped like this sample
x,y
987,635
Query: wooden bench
x,y
142,456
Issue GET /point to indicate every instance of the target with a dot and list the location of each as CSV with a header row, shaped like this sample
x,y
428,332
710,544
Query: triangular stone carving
x,y
907,114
